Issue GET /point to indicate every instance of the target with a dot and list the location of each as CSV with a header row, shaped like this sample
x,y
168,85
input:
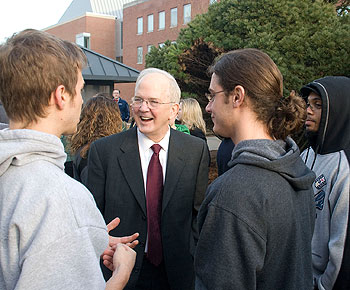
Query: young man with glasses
x,y
121,175
328,132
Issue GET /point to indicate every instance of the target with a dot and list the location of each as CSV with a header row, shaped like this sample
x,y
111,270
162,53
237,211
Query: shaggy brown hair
x,y
32,65
99,117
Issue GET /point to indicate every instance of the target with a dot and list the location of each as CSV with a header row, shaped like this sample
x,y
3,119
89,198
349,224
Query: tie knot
x,y
156,148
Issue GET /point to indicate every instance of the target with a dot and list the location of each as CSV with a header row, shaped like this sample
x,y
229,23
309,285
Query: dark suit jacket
x,y
116,181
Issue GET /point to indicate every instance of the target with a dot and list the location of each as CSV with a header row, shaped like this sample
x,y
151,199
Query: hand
x,y
130,241
124,261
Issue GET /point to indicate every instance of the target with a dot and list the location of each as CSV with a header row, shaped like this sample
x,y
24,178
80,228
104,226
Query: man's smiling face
x,y
154,123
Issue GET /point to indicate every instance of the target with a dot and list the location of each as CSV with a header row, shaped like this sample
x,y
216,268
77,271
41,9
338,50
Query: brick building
x,y
93,31
151,22
124,30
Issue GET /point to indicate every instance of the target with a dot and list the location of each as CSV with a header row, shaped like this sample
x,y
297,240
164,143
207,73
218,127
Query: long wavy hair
x,y
192,115
99,117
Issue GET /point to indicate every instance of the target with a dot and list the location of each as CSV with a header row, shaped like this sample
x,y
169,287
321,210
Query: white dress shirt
x,y
146,153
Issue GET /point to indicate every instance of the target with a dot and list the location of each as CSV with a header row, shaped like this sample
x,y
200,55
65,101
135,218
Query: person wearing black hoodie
x,y
328,132
257,219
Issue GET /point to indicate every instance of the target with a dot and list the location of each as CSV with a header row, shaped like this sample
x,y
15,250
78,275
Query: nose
x,y
208,108
144,106
308,110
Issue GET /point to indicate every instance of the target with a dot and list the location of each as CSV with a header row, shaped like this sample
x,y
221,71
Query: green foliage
x,y
165,58
307,39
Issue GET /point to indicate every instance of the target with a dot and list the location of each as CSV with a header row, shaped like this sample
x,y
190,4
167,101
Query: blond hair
x,y
192,115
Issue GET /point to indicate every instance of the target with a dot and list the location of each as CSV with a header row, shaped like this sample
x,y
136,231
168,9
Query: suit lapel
x,y
175,165
130,165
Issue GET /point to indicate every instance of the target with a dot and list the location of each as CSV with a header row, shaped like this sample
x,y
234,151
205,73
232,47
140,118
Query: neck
x,y
248,128
42,125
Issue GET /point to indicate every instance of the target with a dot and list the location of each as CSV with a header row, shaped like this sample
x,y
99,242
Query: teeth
x,y
144,118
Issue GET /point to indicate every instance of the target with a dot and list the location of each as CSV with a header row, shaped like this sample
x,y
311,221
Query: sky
x,y
16,15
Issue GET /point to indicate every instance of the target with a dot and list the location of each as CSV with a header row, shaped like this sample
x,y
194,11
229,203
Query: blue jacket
x,y
124,109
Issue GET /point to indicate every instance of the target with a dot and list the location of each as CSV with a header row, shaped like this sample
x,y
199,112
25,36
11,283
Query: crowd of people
x,y
138,213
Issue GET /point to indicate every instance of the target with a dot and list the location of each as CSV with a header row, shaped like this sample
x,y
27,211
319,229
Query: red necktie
x,y
154,191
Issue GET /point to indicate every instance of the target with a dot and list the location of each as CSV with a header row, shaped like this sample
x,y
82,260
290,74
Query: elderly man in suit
x,y
153,178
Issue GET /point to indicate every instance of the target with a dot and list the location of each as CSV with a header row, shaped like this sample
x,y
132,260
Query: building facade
x,y
125,30
150,23
93,31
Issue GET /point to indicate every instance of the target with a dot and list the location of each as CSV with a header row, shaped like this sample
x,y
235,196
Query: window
x,y
212,1
150,23
161,16
139,25
187,13
173,17
161,44
83,39
139,54
149,48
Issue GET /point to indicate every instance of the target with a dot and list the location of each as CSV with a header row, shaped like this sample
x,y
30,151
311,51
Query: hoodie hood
x,y
334,131
279,156
20,147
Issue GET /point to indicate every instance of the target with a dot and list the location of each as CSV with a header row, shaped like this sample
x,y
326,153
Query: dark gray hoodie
x,y
256,221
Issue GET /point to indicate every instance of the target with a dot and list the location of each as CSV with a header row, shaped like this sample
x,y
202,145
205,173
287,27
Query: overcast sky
x,y
16,15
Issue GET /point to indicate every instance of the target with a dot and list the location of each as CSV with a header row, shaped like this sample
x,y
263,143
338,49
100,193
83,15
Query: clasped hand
x,y
125,257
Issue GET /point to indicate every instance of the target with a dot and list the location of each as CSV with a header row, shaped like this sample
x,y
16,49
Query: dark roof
x,y
102,68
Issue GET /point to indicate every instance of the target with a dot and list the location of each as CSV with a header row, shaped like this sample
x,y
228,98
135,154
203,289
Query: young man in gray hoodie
x,y
257,218
52,234
328,132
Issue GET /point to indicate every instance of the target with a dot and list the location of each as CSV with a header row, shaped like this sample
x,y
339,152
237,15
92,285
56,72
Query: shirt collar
x,y
145,143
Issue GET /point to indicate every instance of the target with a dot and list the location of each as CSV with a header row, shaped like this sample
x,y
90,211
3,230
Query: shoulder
x,y
198,133
116,139
186,138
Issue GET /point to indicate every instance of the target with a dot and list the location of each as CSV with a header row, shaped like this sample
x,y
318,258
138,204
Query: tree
x,y
306,38
342,6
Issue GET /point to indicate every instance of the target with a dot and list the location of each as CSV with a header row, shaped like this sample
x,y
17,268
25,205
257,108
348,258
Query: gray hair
x,y
174,89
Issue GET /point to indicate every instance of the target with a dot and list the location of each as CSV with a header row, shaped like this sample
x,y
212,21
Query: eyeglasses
x,y
152,104
314,107
211,96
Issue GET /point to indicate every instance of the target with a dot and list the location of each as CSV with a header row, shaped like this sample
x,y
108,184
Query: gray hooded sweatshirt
x,y
52,234
329,158
256,221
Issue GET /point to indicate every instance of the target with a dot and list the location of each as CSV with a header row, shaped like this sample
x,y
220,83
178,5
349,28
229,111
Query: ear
x,y
174,111
59,97
238,96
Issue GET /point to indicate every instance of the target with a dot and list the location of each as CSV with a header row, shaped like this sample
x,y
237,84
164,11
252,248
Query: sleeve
x,y
69,263
96,177
201,187
229,252
339,213
127,112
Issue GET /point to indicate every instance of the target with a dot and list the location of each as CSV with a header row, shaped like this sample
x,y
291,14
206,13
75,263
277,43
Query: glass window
x,y
161,44
139,54
161,16
187,13
173,17
83,39
139,25
149,48
150,23
212,1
